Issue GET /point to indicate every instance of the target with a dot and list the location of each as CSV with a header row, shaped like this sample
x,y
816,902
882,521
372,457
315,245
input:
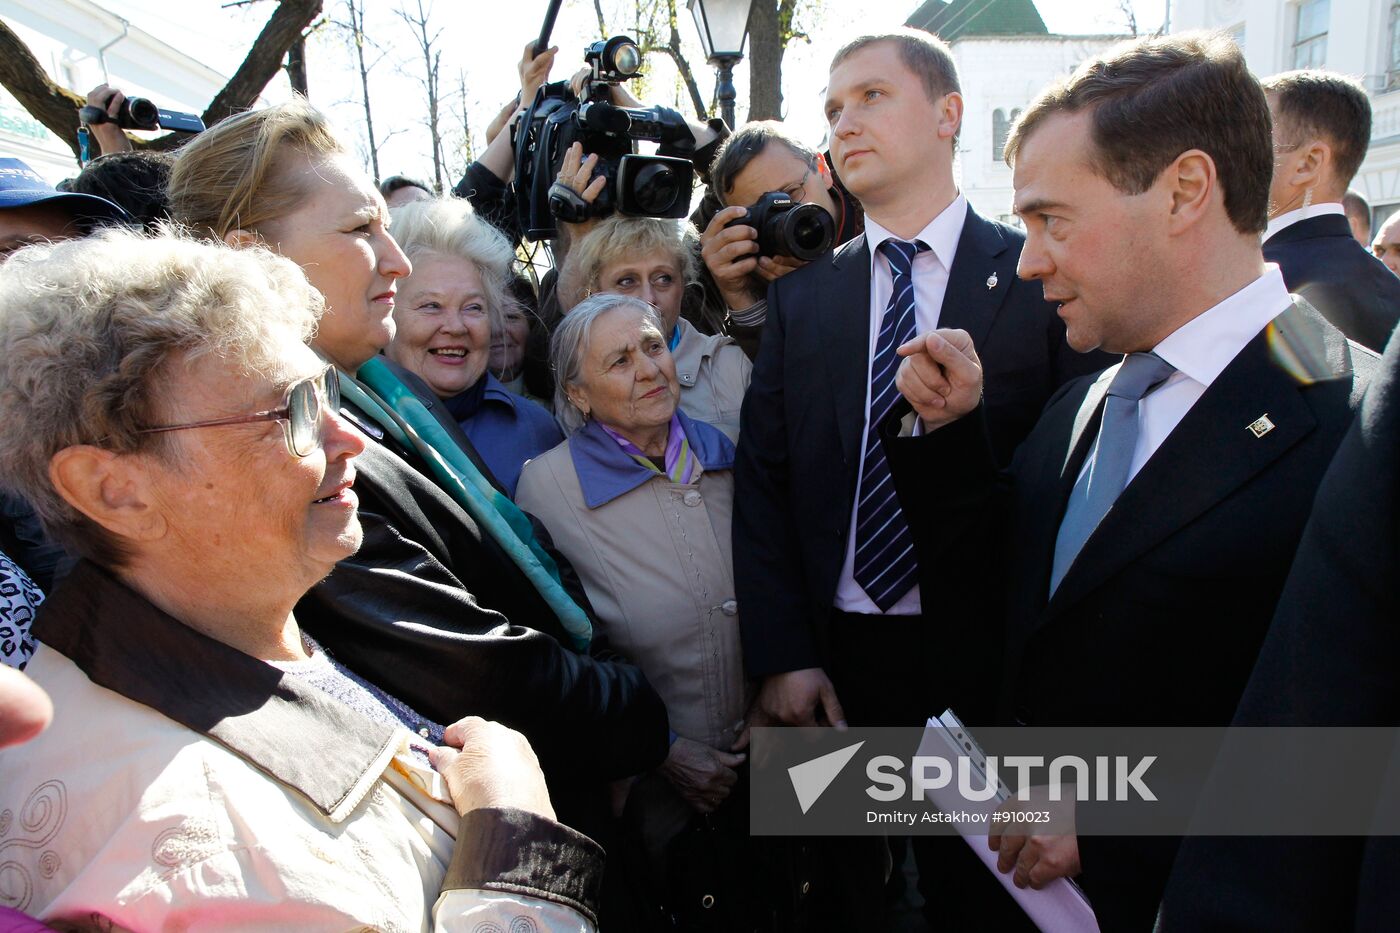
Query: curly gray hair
x,y
88,333
570,342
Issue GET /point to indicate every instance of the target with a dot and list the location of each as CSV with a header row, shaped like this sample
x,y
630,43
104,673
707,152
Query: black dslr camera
x,y
637,185
138,113
785,228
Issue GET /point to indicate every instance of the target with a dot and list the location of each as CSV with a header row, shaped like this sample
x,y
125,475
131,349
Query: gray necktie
x,y
1107,473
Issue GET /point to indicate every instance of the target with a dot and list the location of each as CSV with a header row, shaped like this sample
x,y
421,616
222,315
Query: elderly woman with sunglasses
x,y
639,498
209,765
454,604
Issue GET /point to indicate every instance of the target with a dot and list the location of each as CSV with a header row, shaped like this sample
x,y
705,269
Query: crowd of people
x,y
352,578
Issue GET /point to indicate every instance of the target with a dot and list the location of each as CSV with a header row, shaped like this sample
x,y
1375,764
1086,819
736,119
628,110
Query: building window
x,y
1310,33
1001,129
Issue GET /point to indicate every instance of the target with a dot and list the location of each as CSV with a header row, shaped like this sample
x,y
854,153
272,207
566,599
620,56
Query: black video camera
x,y
786,228
637,185
138,113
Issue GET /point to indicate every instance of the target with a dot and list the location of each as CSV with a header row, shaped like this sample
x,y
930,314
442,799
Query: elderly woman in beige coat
x,y
649,258
639,499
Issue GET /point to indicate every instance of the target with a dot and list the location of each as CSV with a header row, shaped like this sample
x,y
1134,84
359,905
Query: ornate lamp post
x,y
724,26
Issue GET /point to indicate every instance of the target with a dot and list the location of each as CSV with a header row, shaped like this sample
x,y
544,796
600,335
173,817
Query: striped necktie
x,y
885,564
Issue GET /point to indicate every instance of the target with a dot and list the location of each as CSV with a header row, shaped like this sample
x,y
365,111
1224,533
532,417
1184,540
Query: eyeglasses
x,y
300,413
798,192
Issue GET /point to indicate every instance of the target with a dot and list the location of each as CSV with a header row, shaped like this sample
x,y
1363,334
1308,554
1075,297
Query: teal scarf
x,y
413,425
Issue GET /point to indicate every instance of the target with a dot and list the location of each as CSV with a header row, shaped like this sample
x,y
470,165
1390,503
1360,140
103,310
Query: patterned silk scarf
x,y
680,462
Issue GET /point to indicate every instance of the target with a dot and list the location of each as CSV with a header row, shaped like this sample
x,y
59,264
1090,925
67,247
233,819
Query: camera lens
x,y
143,113
807,231
655,189
627,60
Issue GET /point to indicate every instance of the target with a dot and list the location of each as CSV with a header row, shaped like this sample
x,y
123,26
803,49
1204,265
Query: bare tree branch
x,y
23,76
432,64
283,28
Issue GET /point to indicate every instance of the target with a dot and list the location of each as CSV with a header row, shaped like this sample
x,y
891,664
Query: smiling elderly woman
x,y
639,498
208,764
446,312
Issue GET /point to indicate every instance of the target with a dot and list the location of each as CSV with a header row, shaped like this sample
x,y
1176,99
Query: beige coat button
x,y
729,607
693,498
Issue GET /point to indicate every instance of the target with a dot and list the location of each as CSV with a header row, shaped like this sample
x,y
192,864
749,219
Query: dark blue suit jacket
x,y
800,429
1323,263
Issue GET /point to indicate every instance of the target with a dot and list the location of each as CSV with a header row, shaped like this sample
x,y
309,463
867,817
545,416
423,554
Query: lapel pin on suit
x,y
991,281
1260,426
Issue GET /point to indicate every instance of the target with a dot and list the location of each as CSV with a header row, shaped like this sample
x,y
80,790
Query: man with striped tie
x,y
831,595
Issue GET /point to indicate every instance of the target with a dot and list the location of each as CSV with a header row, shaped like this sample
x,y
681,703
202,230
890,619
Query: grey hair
x,y
89,332
449,227
570,342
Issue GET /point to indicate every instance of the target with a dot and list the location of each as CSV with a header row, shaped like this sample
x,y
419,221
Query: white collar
x,y
941,233
1203,346
1302,213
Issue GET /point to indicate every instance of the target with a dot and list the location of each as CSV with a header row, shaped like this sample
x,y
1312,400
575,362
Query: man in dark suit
x,y
1329,660
829,589
1147,523
798,472
1322,126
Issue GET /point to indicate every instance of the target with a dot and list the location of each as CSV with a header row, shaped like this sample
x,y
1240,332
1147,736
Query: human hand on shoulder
x,y
941,376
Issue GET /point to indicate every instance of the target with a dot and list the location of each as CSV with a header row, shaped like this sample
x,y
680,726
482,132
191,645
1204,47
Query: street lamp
x,y
723,25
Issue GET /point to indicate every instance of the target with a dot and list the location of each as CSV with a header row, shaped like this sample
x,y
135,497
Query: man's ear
x,y
1310,164
113,490
1192,185
240,238
950,114
824,170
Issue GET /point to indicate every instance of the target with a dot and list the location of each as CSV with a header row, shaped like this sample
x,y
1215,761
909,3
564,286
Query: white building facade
x,y
1000,75
1360,38
82,45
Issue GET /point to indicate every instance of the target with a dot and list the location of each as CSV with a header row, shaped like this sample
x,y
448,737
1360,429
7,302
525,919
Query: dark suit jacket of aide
x,y
1322,262
799,444
1329,660
433,611
1159,620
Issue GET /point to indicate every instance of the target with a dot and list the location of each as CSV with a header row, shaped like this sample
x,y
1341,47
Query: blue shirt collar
x,y
606,472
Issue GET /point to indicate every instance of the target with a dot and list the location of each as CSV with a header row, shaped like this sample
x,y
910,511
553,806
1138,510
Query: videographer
x,y
108,135
762,157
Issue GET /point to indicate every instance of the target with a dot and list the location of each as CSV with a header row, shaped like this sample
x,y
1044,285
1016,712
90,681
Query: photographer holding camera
x,y
746,244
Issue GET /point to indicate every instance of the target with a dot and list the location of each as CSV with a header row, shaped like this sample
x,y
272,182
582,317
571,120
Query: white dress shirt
x,y
930,272
1302,213
1200,350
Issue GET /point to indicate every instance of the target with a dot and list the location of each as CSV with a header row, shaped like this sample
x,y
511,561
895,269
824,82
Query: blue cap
x,y
21,186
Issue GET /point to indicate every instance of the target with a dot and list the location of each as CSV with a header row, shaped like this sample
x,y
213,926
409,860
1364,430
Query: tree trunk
x,y
296,66
57,108
673,49
766,46
357,37
25,78
284,27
